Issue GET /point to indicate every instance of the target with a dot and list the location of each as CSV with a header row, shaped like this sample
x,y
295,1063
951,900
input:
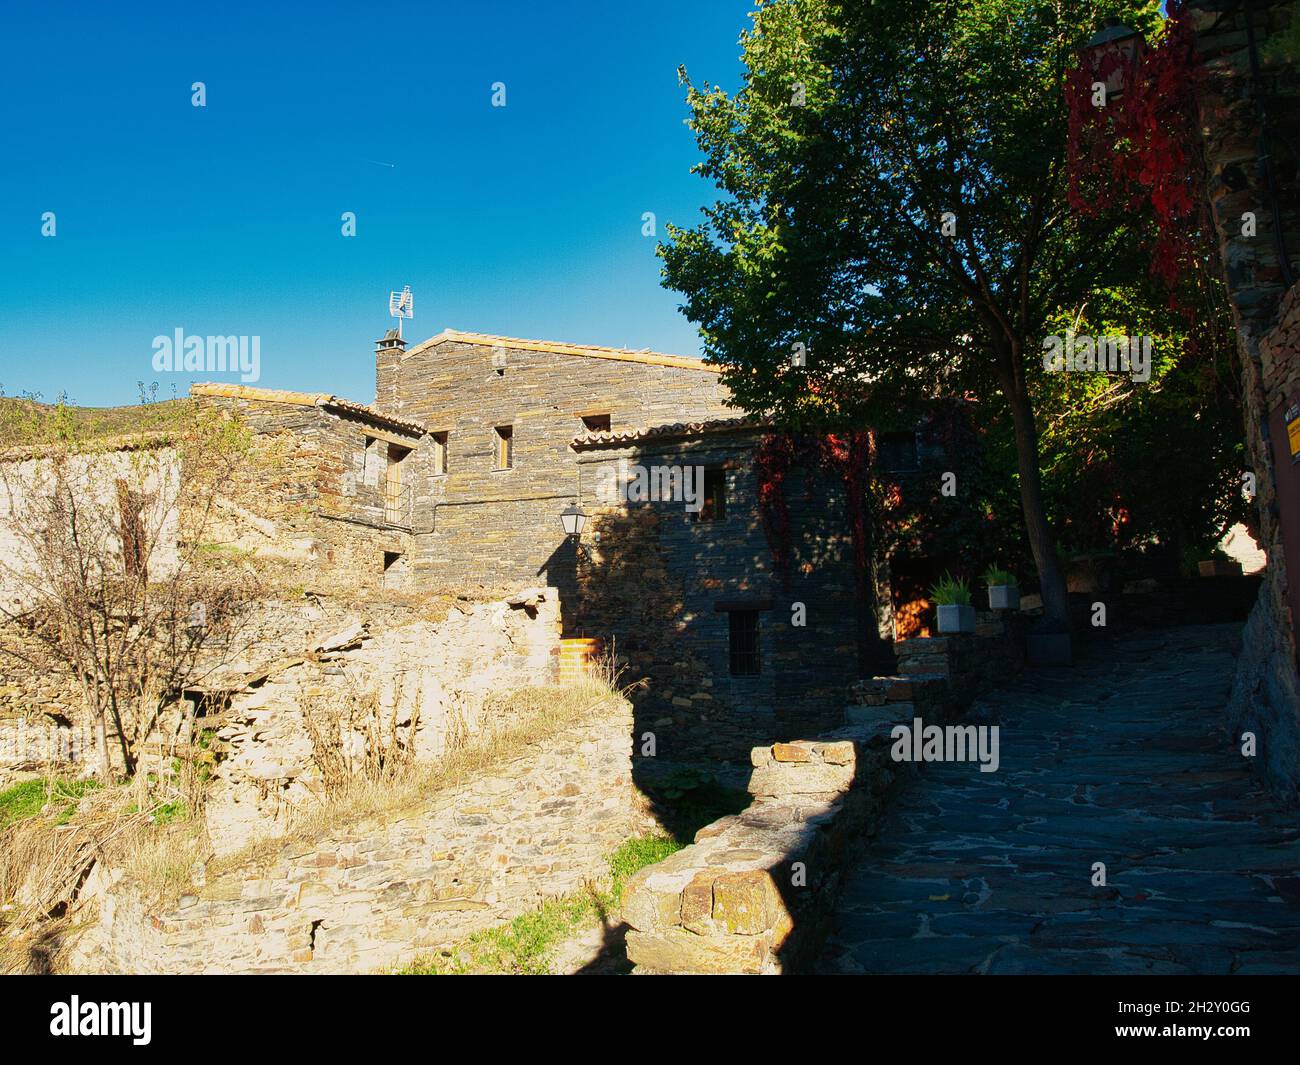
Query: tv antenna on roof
x,y
401,305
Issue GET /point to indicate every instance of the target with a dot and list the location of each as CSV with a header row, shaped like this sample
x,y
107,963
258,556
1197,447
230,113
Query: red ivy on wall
x,y
772,462
847,455
1142,149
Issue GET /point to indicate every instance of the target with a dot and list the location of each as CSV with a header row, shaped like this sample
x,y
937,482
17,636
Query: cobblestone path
x,y
1123,760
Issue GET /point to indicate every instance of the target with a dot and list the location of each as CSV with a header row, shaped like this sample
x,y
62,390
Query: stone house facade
x,y
501,414
339,487
1250,123
456,479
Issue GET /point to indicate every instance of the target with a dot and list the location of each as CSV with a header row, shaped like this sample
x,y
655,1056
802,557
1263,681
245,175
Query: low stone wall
x,y
938,676
753,893
376,896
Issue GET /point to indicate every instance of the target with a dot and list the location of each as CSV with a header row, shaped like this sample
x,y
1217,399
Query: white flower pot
x,y
953,618
1004,597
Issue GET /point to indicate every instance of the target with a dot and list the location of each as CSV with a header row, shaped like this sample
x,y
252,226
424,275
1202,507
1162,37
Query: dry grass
x,y
154,831
512,722
45,859
150,828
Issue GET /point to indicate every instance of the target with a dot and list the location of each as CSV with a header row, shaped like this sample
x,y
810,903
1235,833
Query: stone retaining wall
x,y
372,897
1266,312
753,893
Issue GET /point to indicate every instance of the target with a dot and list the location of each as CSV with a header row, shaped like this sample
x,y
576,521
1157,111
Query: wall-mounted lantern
x,y
1114,48
574,520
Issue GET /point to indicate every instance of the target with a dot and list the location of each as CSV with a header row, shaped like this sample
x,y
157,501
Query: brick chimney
x,y
388,357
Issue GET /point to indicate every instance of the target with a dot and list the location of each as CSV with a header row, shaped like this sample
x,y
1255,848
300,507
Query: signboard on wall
x,y
1292,420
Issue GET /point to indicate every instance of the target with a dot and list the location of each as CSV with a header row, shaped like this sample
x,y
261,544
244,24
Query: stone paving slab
x,y
1125,760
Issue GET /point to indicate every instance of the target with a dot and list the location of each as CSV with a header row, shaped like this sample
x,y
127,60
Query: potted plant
x,y
1219,564
952,598
1004,593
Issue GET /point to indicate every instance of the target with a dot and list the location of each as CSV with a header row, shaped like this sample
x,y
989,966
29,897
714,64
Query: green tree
x,y
1129,464
894,198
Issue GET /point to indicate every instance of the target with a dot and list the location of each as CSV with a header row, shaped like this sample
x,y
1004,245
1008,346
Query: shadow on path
x,y
1123,760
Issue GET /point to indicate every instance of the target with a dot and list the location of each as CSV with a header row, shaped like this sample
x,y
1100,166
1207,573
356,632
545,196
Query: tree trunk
x,y
101,741
1056,608
128,763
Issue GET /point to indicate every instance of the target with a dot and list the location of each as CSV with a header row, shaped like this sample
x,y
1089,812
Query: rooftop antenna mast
x,y
401,305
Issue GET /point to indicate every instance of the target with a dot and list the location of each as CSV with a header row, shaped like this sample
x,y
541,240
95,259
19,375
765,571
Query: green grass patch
x,y
635,854
525,945
31,796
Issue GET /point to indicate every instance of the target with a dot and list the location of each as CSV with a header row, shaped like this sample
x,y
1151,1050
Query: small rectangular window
x,y
596,423
505,446
714,506
394,568
896,452
743,645
440,453
370,462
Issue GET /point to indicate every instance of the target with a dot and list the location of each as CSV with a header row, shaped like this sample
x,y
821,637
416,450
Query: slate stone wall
x,y
322,490
1266,693
662,583
374,896
492,528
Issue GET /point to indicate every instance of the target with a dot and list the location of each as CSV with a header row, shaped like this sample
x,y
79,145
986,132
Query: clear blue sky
x,y
523,220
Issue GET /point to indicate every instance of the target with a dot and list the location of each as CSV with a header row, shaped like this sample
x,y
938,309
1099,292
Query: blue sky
x,y
524,220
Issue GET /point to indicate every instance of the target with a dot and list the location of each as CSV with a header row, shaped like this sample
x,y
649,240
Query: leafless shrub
x,y
355,740
106,577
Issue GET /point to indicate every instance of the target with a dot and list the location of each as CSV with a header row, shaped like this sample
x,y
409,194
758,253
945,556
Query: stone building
x,y
501,414
457,477
1250,122
341,487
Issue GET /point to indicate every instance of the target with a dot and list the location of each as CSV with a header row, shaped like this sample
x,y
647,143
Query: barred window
x,y
745,658
714,504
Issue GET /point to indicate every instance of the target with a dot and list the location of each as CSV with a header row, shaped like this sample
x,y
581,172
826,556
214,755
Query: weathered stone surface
x,y
676,950
697,903
811,778
791,752
377,895
745,903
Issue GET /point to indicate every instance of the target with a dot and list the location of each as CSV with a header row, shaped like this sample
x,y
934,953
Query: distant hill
x,y
23,421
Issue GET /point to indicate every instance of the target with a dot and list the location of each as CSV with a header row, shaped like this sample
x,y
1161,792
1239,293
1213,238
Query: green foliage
x,y
994,576
1283,47
637,853
690,797
951,592
1128,464
859,130
828,230
982,517
25,420
30,797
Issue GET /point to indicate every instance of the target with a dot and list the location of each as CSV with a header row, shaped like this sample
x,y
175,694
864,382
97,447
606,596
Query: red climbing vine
x,y
1142,147
848,455
772,462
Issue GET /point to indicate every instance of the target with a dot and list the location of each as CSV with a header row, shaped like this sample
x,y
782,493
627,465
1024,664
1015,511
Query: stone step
x,y
887,713
924,665
878,690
